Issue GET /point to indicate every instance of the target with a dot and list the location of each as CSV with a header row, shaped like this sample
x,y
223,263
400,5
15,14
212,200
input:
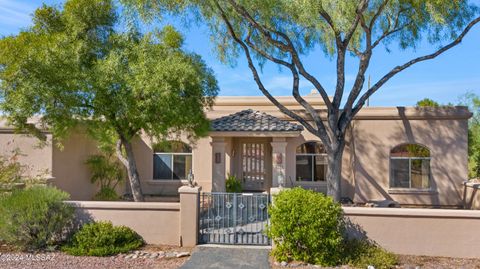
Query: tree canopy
x,y
73,66
282,32
427,102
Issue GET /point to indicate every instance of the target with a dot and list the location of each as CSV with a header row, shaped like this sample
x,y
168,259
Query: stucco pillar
x,y
279,149
218,162
189,209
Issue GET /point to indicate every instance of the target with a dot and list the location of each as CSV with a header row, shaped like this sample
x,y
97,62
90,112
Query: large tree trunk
x,y
129,163
334,172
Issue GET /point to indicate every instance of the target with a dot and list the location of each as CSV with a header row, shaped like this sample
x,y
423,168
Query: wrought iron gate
x,y
233,218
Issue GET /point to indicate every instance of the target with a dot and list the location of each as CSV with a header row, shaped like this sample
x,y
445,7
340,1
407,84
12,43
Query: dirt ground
x,y
409,262
54,260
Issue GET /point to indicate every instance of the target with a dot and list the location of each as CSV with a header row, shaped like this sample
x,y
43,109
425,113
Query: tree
x,y
472,101
426,102
72,67
282,31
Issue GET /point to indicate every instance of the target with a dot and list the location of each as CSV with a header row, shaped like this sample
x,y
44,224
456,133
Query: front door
x,y
255,164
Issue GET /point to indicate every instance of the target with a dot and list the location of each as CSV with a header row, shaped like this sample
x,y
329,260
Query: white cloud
x,y
15,13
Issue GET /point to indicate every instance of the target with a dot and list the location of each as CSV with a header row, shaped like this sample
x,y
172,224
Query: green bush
x,y
232,184
107,173
106,194
306,226
35,218
362,253
103,239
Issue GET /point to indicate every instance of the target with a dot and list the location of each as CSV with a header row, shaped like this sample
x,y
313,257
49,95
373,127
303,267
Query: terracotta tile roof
x,y
254,121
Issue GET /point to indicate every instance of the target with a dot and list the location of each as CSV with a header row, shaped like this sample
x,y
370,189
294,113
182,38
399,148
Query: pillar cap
x,y
188,189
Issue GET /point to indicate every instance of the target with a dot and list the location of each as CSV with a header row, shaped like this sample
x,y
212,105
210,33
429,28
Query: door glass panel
x,y
253,164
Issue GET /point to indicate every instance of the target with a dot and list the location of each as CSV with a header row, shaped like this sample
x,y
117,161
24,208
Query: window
x,y
410,167
171,160
311,162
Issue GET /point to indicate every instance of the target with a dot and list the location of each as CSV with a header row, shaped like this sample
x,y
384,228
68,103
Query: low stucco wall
x,y
471,198
157,223
430,232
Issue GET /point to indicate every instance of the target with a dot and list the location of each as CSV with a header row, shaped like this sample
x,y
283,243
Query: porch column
x,y
279,149
218,173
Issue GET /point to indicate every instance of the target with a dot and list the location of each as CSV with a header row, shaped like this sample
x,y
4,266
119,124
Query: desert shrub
x,y
362,253
106,194
232,184
107,173
306,226
103,239
35,218
10,171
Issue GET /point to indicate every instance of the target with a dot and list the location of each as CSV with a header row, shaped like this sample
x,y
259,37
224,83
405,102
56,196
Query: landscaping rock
x,y
284,264
182,254
170,255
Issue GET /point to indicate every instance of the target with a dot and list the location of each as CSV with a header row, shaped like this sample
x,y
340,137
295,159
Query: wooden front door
x,y
255,164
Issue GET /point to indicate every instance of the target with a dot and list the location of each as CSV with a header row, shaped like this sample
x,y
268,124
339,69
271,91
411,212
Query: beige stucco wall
x,y
447,141
36,157
70,173
157,223
429,232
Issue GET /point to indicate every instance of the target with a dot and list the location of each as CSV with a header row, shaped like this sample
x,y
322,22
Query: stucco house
x,y
415,156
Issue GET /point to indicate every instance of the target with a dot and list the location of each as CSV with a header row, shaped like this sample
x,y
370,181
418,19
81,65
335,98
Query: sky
x,y
443,79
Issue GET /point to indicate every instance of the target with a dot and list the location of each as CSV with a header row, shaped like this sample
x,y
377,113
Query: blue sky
x,y
443,79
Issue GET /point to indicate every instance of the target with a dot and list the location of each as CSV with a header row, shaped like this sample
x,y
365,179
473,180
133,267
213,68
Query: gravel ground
x,y
54,260
408,262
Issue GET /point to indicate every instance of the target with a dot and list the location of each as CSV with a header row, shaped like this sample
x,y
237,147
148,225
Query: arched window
x,y
172,160
311,162
410,166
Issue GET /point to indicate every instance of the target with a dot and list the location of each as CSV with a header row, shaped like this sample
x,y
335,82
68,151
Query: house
x,y
415,156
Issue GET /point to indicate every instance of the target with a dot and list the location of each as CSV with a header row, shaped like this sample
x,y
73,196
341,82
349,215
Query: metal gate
x,y
234,218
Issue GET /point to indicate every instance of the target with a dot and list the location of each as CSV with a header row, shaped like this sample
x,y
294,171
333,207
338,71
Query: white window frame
x,y
313,166
392,179
172,163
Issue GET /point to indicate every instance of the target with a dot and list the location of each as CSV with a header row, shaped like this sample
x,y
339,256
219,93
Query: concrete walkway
x,y
238,257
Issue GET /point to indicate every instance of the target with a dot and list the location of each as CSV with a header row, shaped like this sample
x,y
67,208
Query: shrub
x,y
106,194
103,239
232,184
306,226
362,253
35,218
107,173
10,171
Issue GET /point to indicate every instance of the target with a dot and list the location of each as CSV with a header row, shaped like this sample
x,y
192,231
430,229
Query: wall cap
x,y
411,212
125,205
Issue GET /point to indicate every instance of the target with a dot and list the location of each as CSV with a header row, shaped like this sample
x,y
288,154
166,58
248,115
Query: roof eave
x,y
255,133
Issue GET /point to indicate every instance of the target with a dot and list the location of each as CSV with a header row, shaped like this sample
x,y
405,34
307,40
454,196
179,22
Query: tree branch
x,y
259,82
288,47
295,90
400,68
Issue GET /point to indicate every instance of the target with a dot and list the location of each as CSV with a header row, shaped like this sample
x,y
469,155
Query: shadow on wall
x,y
353,230
444,138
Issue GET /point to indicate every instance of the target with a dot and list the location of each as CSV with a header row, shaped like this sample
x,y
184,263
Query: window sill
x,y
166,182
412,191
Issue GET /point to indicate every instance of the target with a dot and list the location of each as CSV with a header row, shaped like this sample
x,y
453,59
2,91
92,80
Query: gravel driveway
x,y
54,260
